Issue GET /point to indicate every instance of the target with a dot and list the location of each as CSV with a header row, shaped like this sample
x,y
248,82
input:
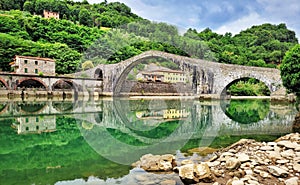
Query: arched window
x,y
98,74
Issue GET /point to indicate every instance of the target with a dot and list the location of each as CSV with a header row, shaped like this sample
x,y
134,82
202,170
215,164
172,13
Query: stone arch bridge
x,y
215,77
34,85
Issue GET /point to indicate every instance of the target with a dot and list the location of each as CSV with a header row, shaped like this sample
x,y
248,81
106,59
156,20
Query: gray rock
x,y
296,167
186,173
274,155
203,173
288,154
225,156
237,182
194,173
288,144
243,157
151,162
264,174
232,163
266,148
292,181
278,172
282,161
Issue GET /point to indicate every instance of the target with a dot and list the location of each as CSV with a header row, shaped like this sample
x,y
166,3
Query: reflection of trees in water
x,y
2,107
125,138
163,130
33,107
247,111
63,106
154,104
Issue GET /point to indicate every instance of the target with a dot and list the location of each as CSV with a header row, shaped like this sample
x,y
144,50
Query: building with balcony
x,y
33,65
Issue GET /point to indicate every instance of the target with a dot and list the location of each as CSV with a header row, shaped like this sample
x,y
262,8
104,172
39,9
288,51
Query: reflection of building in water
x,y
175,114
35,124
163,114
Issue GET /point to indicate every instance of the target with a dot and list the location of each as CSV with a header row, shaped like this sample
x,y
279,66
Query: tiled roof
x,y
35,58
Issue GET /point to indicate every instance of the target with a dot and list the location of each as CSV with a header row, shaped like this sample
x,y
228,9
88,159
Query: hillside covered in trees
x,y
110,32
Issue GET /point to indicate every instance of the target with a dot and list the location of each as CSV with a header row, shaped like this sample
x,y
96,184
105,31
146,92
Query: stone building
x,y
150,76
49,14
170,76
33,65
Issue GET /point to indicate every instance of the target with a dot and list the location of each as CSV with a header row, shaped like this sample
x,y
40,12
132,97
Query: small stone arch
x,y
224,91
4,83
71,85
31,83
62,85
98,74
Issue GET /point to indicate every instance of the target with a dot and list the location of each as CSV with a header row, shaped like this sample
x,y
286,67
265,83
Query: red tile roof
x,y
35,58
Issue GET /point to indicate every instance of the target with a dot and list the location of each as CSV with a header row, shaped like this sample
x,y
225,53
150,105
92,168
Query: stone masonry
x,y
207,77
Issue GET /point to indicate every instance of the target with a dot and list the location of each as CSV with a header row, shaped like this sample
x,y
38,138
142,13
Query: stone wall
x,y
159,88
206,77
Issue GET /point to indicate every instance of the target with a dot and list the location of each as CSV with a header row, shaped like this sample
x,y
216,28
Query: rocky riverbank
x,y
245,162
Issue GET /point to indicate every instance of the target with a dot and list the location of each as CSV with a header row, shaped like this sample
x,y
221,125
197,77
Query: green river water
x,y
95,142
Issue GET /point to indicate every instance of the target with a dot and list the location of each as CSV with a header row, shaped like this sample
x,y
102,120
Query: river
x,y
86,142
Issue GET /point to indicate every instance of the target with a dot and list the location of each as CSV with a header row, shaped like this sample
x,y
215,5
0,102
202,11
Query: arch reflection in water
x,y
129,135
247,111
32,107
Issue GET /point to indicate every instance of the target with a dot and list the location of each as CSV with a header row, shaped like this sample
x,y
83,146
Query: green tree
x,y
290,70
85,17
87,65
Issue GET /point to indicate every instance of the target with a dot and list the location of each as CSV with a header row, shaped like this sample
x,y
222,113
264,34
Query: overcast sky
x,y
219,15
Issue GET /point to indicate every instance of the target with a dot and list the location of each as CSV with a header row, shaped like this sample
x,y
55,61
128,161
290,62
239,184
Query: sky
x,y
219,15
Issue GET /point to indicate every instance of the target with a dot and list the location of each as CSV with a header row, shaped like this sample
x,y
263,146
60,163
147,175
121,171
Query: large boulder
x,y
151,162
195,173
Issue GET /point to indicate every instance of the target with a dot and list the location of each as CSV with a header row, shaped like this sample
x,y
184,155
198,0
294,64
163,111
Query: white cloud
x,y
241,24
220,15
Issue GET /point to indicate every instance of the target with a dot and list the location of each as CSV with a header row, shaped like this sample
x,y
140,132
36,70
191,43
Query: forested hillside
x,y
84,33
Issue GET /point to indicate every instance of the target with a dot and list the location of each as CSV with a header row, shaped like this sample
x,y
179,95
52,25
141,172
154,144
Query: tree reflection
x,y
247,111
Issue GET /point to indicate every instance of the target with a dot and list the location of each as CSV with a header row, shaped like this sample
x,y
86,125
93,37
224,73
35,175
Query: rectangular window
x,y
36,62
36,119
26,120
36,71
25,61
26,70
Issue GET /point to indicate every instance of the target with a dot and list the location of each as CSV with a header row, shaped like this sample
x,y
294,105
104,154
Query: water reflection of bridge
x,y
201,118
